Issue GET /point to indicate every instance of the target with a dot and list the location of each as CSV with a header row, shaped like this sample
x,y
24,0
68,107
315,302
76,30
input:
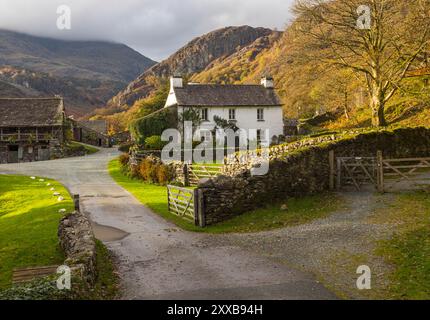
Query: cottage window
x,y
232,114
205,114
260,114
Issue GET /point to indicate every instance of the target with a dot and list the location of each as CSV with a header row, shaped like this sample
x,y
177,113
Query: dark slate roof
x,y
25,112
99,126
212,95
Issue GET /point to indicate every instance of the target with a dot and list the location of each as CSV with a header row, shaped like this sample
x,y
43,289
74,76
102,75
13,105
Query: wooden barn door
x,y
43,154
12,154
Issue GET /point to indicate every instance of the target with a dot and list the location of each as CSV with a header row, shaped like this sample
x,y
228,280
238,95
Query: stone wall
x,y
77,240
300,168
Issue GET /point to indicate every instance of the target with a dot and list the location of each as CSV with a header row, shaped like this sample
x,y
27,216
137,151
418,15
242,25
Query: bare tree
x,y
380,41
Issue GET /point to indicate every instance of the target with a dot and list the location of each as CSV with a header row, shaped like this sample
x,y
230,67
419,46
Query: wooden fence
x,y
412,171
197,172
383,174
186,203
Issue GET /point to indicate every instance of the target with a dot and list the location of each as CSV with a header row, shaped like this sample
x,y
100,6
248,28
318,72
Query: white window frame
x,y
260,114
230,113
205,114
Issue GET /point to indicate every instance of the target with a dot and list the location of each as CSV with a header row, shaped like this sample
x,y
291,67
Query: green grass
x,y
29,218
106,286
299,211
408,251
152,196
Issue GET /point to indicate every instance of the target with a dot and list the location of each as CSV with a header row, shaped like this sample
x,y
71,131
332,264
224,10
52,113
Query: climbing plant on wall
x,y
154,124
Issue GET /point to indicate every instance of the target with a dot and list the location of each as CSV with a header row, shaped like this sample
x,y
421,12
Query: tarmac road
x,y
155,259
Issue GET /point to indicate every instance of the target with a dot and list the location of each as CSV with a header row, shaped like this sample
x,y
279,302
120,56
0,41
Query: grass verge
x,y
299,211
29,218
408,251
152,196
105,288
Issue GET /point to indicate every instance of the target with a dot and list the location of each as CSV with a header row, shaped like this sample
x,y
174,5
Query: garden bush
x,y
125,147
153,171
154,124
154,143
124,159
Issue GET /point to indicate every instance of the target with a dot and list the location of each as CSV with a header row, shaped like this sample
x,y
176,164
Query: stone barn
x,y
94,132
31,129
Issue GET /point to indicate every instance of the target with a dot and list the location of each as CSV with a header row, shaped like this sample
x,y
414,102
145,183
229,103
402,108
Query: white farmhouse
x,y
254,107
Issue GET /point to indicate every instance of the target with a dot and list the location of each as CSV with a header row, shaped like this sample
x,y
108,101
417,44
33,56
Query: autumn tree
x,y
379,40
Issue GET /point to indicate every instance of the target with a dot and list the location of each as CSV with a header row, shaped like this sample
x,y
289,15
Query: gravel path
x,y
158,261
332,248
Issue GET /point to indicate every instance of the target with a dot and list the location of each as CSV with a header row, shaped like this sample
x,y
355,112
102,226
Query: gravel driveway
x,y
334,247
158,261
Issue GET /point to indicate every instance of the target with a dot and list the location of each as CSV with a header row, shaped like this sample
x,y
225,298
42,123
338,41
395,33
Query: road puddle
x,y
108,234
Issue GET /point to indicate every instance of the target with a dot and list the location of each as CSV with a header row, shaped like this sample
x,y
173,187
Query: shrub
x,y
134,172
152,171
125,147
154,124
124,159
154,143
145,169
164,175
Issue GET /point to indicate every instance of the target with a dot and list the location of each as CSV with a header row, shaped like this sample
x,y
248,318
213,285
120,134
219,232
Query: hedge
x,y
154,124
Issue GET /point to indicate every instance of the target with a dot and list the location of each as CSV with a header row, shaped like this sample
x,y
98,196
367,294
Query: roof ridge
x,y
223,85
28,98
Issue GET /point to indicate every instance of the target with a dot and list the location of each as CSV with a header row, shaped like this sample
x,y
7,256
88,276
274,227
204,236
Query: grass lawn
x,y
152,196
299,210
29,218
409,250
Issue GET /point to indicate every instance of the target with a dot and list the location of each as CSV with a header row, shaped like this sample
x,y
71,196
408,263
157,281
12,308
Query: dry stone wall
x,y
299,169
77,240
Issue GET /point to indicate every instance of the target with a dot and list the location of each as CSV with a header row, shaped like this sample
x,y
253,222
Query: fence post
x,y
339,174
186,176
380,174
196,207
199,208
168,198
332,169
76,202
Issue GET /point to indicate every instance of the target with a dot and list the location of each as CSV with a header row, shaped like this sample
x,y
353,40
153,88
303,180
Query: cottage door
x,y
12,154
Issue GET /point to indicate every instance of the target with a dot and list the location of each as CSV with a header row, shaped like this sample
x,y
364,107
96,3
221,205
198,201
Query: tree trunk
x,y
378,113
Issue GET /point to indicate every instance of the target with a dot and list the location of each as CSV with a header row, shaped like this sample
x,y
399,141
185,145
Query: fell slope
x,y
67,67
192,58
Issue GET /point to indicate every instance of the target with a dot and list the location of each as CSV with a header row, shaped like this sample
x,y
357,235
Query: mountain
x,y
192,58
86,73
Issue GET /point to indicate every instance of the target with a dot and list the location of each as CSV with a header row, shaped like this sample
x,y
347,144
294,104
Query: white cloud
x,y
156,28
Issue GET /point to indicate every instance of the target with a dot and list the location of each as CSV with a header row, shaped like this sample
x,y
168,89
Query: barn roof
x,y
99,126
30,112
213,95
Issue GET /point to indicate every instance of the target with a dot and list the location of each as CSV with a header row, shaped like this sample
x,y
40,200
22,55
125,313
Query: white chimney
x,y
267,82
176,81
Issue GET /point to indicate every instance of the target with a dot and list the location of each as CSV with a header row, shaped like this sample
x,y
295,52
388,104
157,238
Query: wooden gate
x,y
383,174
187,203
357,172
181,201
409,171
197,172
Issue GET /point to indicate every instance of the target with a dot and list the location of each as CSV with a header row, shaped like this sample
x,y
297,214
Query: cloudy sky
x,y
156,28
